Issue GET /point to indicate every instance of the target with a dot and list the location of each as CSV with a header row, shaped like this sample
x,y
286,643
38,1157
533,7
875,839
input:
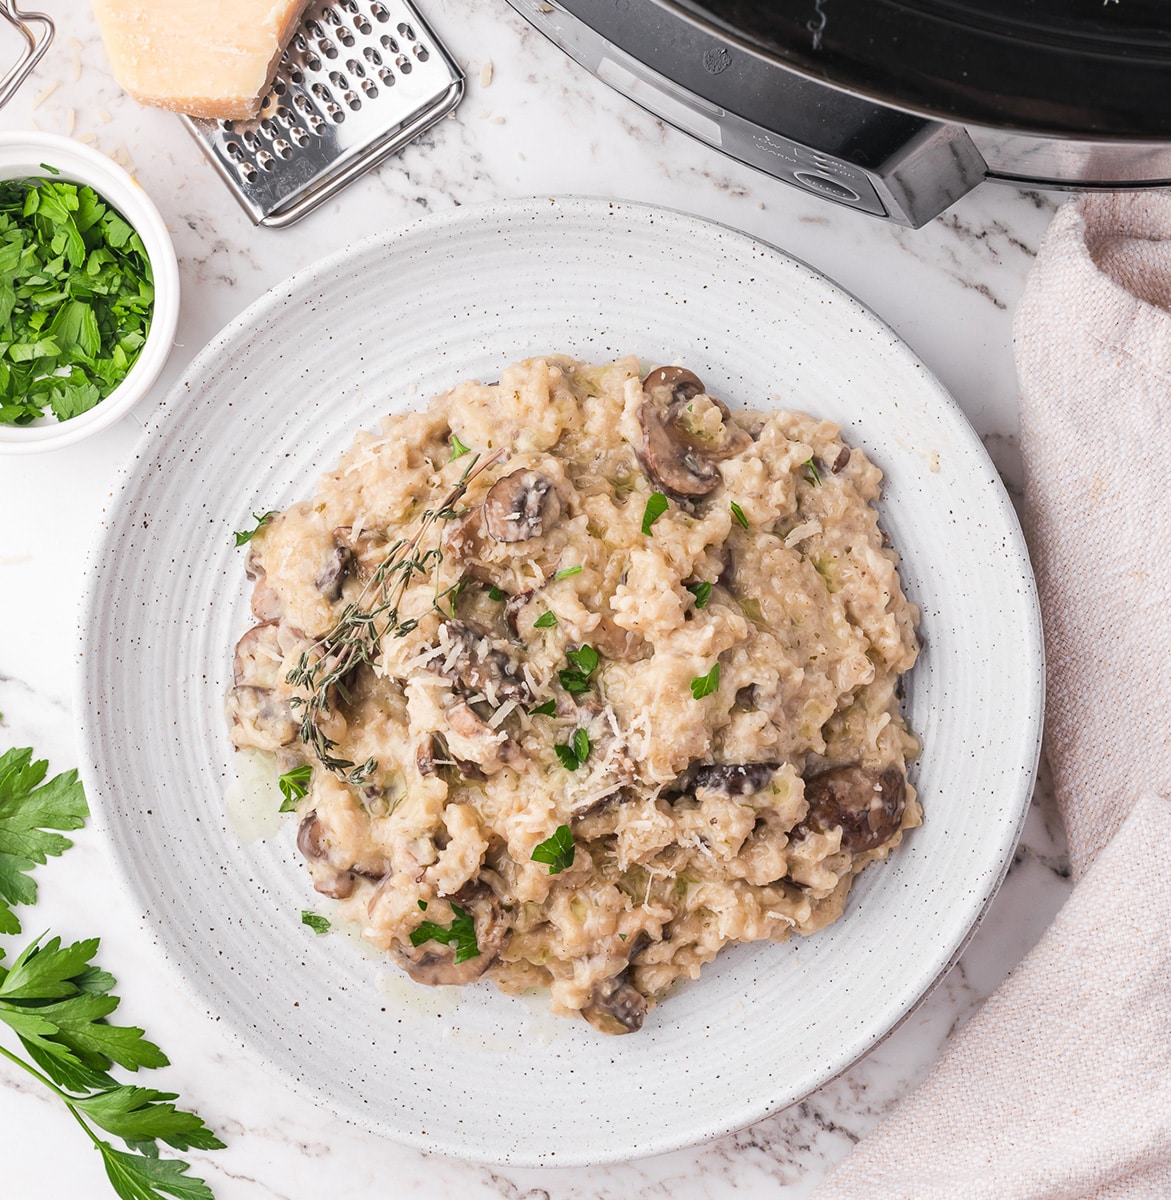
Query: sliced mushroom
x,y
520,506
733,779
512,608
594,808
483,750
841,462
333,574
681,463
329,878
261,717
868,805
616,1006
466,654
266,603
366,550
432,965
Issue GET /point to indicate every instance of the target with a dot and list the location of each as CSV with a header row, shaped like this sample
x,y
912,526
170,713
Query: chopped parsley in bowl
x,y
89,292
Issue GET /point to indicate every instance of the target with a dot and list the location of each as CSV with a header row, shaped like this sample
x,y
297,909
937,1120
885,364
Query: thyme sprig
x,y
356,638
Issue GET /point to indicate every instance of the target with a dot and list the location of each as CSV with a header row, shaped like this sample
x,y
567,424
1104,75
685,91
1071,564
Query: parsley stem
x,y
64,1096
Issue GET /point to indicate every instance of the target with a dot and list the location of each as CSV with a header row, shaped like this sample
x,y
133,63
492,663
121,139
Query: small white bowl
x,y
26,155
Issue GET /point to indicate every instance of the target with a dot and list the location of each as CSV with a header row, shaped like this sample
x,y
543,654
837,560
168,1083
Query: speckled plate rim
x,y
1025,760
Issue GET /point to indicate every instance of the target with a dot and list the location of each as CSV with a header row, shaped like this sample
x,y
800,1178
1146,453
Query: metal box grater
x,y
359,79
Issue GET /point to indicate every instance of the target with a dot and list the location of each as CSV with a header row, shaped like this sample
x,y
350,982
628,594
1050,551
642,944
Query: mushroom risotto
x,y
579,677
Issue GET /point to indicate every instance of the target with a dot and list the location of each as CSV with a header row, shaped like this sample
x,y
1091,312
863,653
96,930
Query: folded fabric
x,y
1060,1088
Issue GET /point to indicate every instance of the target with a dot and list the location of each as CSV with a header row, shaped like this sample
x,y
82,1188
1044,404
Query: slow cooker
x,y
895,107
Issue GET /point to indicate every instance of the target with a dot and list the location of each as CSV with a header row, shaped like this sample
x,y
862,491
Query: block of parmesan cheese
x,y
209,58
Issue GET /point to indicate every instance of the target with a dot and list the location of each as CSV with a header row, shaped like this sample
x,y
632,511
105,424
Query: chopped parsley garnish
x,y
581,745
705,685
656,505
461,934
575,754
565,572
494,593
76,295
458,449
558,851
294,786
548,709
576,679
243,537
813,474
315,921
546,620
702,592
738,513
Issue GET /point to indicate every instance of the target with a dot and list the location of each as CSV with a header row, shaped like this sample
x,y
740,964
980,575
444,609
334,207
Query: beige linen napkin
x,y
1060,1088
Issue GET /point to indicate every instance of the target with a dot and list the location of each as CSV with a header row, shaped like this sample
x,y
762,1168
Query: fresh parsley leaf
x,y
567,756
494,593
738,513
461,934
581,745
262,519
458,449
548,709
813,474
142,1115
315,921
705,685
51,170
294,786
702,592
28,810
656,505
575,754
136,1177
565,572
546,620
558,851
585,659
576,679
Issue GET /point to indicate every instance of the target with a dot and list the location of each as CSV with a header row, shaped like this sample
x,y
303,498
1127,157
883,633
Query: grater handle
x,y
37,30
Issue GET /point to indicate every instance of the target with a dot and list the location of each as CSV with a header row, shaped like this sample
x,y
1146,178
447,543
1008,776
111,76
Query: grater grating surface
x,y
359,79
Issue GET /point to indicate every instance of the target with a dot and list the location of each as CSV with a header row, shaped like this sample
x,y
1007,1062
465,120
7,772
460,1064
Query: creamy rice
x,y
699,707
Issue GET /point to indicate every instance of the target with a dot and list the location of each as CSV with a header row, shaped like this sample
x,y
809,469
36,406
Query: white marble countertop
x,y
534,124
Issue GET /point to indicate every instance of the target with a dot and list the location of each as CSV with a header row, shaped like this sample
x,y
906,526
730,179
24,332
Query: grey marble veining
x,y
533,124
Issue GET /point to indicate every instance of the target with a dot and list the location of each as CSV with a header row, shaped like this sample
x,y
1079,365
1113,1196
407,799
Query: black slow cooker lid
x,y
1063,67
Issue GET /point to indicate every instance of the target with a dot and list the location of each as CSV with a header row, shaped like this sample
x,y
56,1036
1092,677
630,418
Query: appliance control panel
x,y
842,148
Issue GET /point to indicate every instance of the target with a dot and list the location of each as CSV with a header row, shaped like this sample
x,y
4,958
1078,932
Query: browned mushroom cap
x,y
512,609
736,779
616,1006
266,604
366,550
520,506
329,878
432,965
333,574
682,464
261,717
868,805
467,655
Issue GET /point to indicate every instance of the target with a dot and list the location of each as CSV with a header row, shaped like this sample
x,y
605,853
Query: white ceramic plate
x,y
271,403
